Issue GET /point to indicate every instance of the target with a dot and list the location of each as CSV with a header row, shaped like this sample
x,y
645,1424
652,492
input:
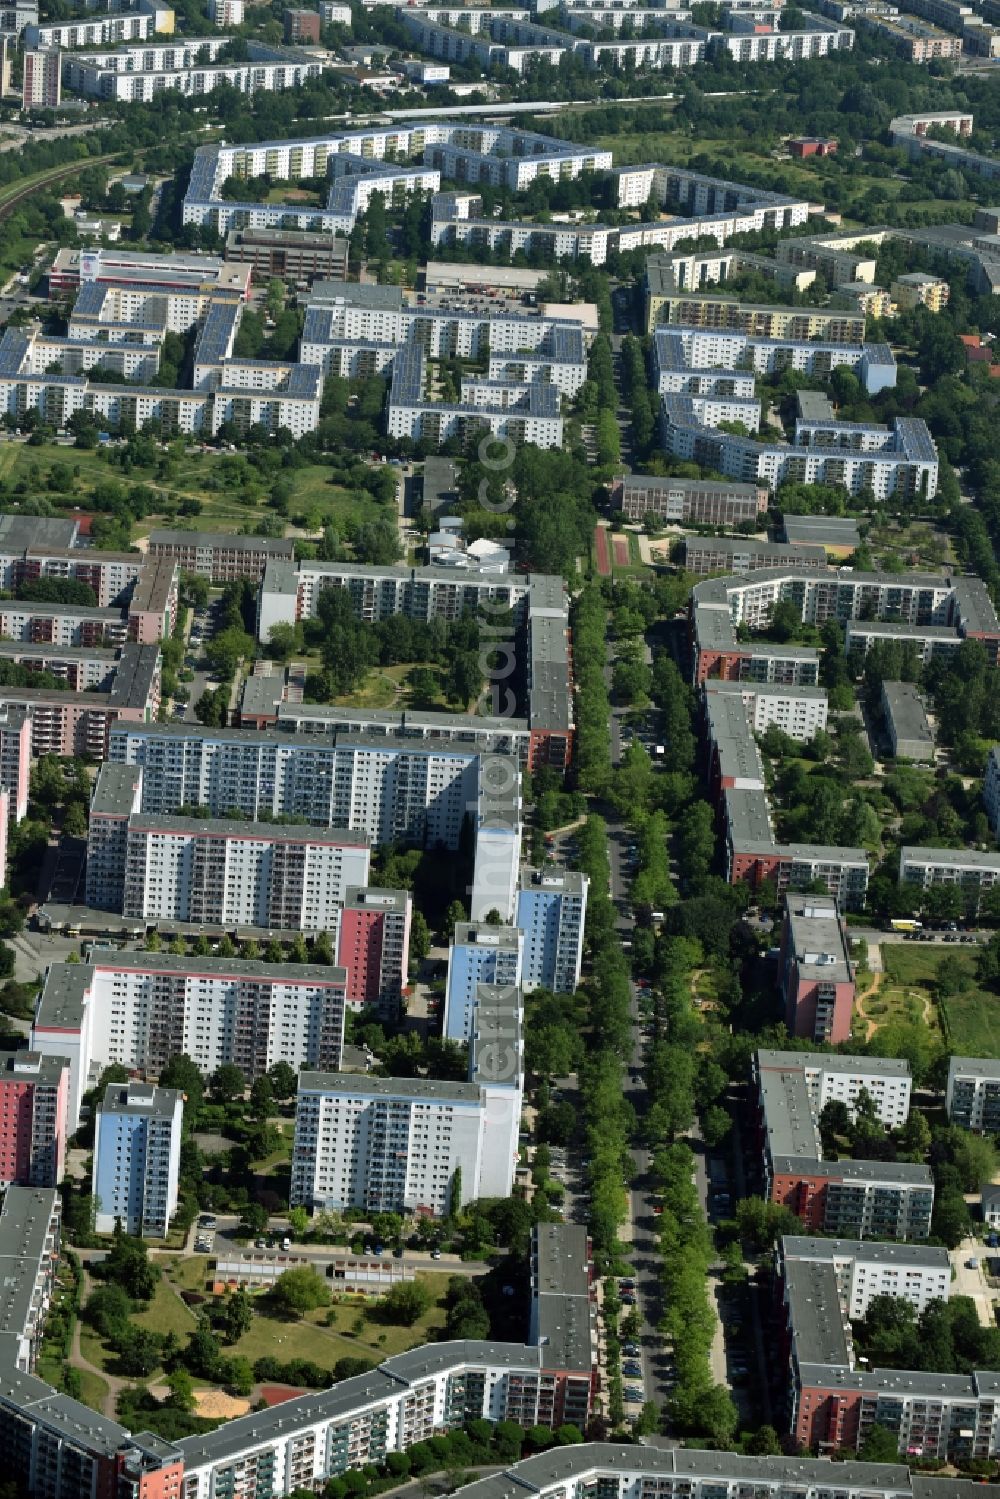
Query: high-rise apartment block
x,y
34,1093
137,1158
373,947
42,80
139,1009
551,912
408,1144
116,795
479,954
228,873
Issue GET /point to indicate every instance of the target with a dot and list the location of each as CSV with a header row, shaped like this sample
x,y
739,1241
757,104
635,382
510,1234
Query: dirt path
x,y
872,1024
80,1361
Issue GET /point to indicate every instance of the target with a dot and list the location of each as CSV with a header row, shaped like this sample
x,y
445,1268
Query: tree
x,y
228,1083
298,1223
406,1302
880,1446
834,1121
284,1080
298,1291
128,1266
239,1315
181,1387
261,1097
180,1072
108,1310
139,1352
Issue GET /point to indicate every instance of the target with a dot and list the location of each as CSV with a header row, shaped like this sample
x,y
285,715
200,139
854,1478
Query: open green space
x,y
970,1015
230,491
386,687
357,1332
167,1313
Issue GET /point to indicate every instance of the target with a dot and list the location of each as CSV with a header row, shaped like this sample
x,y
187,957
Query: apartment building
x,y
916,41
270,701
871,605
909,730
702,501
218,556
139,1009
852,1198
137,1159
972,1097
711,310
799,712
479,954
917,289
815,973
901,460
915,1273
136,75
96,30
828,1076
392,1144
563,1312
551,912
41,81
705,555
231,873
117,794
969,871
298,254
33,1097
373,948
29,1256
152,608
704,359
64,723
390,789
15,769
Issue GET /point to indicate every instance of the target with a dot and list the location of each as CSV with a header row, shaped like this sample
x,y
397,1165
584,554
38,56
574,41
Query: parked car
x,y
633,1392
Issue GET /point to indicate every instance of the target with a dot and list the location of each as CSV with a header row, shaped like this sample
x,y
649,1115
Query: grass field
x,y
229,489
167,1313
972,1016
385,687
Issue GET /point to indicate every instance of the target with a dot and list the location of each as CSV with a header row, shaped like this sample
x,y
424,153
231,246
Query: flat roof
x,y
145,1099
428,1088
907,716
986,1068
830,1061
274,546
258,831
816,1320
114,790
827,530
924,1256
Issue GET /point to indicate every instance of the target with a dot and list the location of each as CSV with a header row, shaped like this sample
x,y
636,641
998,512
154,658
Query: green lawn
x,y
310,1339
972,1017
386,687
93,1389
229,490
167,1313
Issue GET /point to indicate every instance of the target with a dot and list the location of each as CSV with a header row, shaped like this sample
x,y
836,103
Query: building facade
x,y
137,1158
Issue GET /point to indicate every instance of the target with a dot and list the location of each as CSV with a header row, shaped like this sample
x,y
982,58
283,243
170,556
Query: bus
x,y
905,926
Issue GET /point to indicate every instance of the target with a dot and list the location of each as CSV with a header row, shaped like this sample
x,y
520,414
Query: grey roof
x,y
827,530
496,1045
813,405
748,818
24,1229
562,1312
28,650
371,897
952,858
19,532
428,1088
907,716
814,1312
789,1119
894,1173
114,790
144,1099
386,298
399,720
735,487
831,1061
275,546
985,1068
804,1247
557,880
817,938
262,832
33,1066
484,934
746,546
61,1003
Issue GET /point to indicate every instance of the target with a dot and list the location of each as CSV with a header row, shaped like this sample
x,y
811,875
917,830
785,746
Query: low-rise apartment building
x,y
701,501
969,871
217,556
909,730
799,712
29,1256
972,1096
705,555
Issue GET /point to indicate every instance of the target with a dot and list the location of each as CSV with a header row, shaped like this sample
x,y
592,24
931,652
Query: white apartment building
x,y
971,870
478,954
137,1158
335,15
139,1009
912,1272
384,1144
551,913
829,1077
226,12
138,74
226,873
799,712
972,1097
389,789
683,356
97,30
401,1144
